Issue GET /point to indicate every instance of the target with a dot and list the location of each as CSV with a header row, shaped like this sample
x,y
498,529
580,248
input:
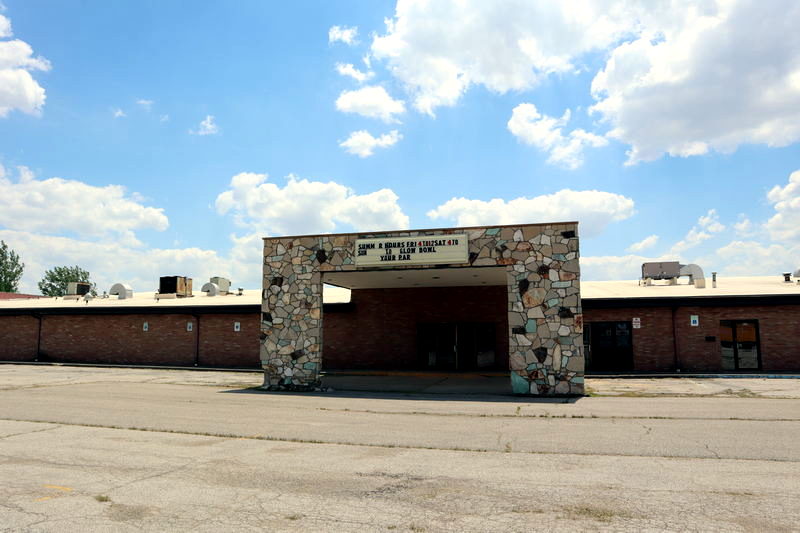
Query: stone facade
x,y
544,308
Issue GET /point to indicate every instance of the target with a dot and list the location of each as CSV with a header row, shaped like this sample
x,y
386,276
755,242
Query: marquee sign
x,y
425,250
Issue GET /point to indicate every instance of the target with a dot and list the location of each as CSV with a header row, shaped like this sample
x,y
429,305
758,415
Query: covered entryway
x,y
441,321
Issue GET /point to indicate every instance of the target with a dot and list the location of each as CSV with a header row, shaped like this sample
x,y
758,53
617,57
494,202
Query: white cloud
x,y
647,242
347,69
371,102
784,225
119,113
755,258
305,207
343,34
108,262
5,27
147,105
163,118
363,144
544,132
703,77
207,127
57,205
707,225
680,77
18,89
744,227
594,210
614,267
439,49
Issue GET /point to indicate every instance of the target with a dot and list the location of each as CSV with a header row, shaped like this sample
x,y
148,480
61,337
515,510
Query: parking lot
x,y
141,449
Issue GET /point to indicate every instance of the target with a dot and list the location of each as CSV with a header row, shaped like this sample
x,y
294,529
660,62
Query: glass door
x,y
740,345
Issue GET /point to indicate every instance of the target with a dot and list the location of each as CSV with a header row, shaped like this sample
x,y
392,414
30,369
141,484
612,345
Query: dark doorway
x,y
609,347
462,346
740,345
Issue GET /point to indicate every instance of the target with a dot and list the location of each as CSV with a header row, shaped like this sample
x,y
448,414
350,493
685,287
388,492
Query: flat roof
x,y
726,286
620,291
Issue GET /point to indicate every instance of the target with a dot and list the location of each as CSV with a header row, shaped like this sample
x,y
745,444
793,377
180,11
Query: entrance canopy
x,y
536,264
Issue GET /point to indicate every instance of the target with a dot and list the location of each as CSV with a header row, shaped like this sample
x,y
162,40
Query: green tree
x,y
10,269
54,282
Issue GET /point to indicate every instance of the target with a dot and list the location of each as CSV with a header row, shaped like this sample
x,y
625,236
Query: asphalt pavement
x,y
108,449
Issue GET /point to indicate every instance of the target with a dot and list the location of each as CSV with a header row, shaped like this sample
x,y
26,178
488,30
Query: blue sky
x,y
155,138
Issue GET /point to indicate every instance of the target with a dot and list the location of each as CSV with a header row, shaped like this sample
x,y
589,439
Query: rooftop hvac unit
x,y
224,284
180,286
121,290
212,289
671,271
78,288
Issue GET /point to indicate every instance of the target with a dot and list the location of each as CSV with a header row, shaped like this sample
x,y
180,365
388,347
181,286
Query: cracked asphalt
x,y
94,449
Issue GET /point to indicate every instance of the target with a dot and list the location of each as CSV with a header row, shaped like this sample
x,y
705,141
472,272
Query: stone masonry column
x,y
291,314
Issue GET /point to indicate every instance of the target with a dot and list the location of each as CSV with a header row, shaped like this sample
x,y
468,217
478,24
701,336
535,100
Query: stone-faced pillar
x,y
291,314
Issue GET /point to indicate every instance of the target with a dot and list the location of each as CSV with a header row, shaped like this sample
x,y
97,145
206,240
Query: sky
x,y
151,138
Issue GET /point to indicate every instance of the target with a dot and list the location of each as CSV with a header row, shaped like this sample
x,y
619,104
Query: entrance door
x,y
739,344
456,346
610,346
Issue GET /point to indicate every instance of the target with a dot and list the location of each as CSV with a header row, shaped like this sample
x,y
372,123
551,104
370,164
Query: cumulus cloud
x,y
647,242
707,225
304,207
119,113
207,127
343,34
681,78
347,69
147,105
363,144
371,102
109,262
544,132
439,49
57,205
784,225
690,65
18,89
593,209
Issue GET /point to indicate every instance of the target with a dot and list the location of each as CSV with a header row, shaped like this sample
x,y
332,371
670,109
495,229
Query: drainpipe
x,y
675,342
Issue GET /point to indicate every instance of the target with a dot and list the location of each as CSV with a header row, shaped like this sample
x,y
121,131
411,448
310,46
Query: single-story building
x,y
482,300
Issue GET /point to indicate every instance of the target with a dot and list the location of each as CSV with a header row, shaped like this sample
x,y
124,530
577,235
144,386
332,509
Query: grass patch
x,y
102,498
294,516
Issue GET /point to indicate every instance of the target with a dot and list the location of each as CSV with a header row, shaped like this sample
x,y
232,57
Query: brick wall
x,y
221,346
120,339
652,344
381,331
18,336
779,330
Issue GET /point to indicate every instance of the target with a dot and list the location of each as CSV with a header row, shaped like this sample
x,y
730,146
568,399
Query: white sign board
x,y
637,323
694,320
427,250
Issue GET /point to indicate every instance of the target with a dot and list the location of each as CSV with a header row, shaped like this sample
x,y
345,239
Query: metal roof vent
x,y
211,288
122,291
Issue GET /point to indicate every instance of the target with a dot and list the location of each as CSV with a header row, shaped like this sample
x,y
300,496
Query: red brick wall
x,y
652,344
381,332
18,335
119,339
779,330
220,345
